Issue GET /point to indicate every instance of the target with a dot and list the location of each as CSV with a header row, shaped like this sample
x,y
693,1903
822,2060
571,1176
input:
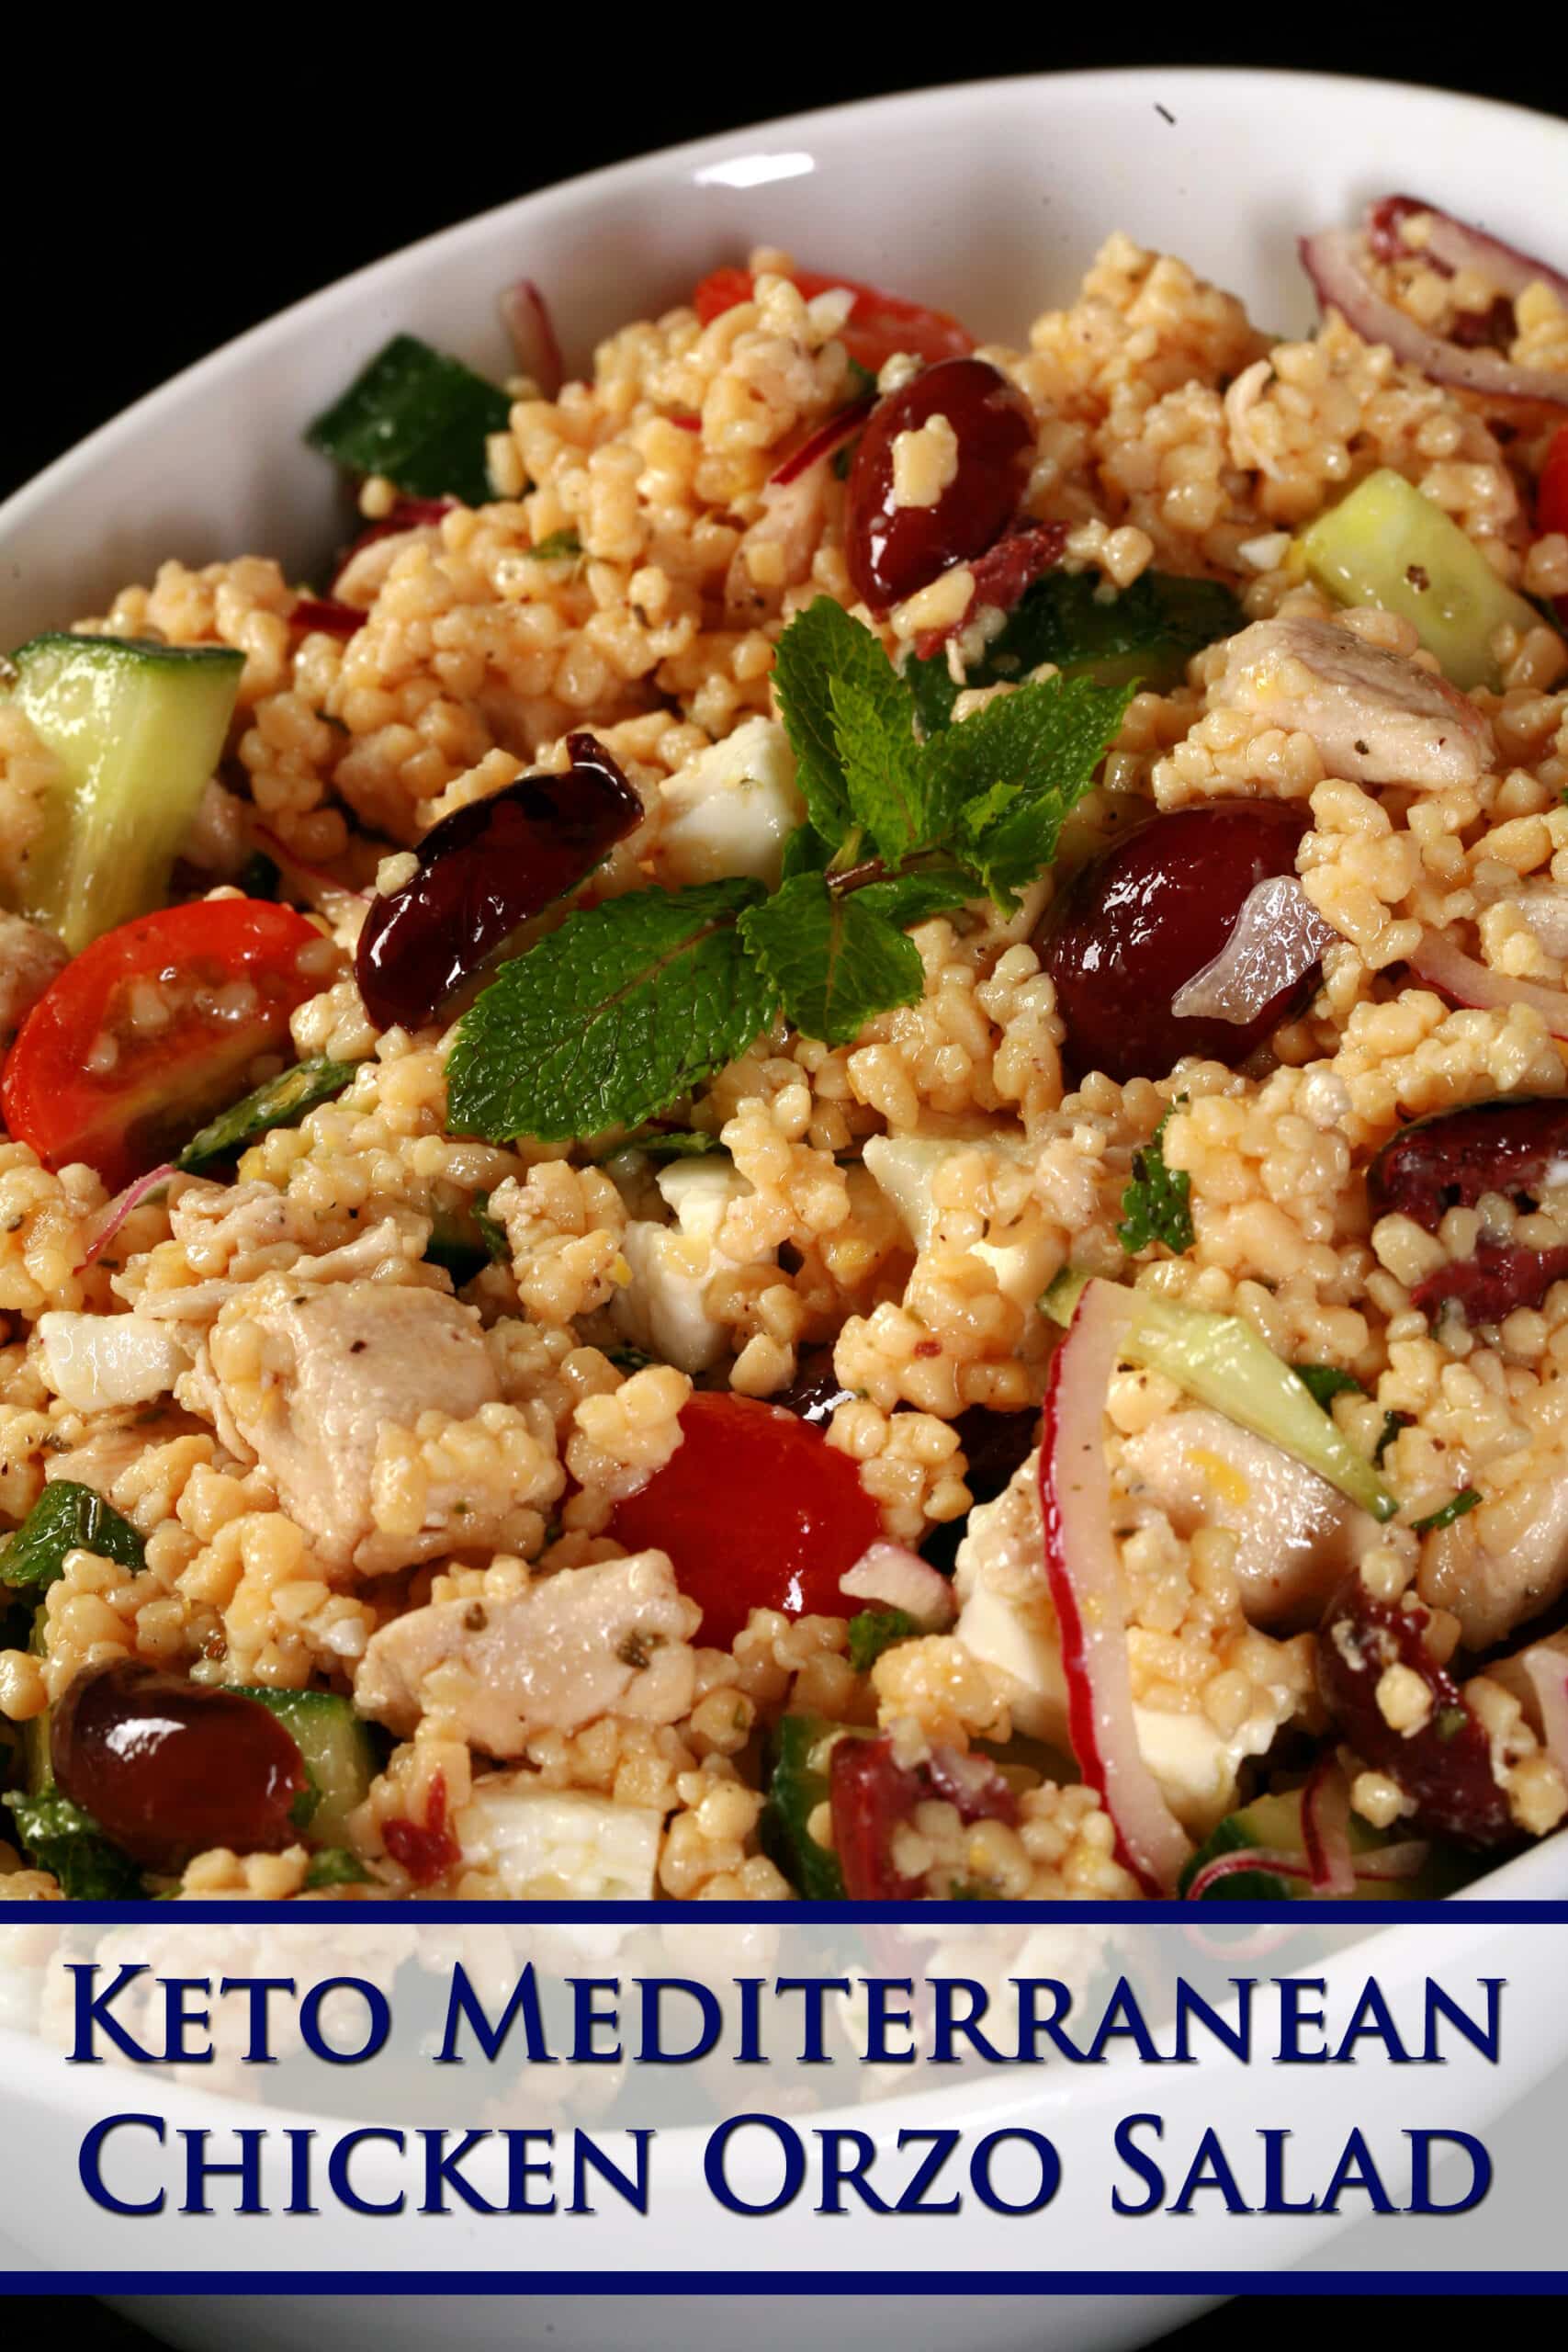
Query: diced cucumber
x,y
1149,632
67,1517
335,1866
281,1103
340,1750
1388,544
418,417
1221,1360
798,1785
1273,1825
464,1240
137,729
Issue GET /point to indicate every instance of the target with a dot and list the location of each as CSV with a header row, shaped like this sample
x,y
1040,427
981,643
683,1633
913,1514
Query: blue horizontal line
x,y
1130,2283
1210,1917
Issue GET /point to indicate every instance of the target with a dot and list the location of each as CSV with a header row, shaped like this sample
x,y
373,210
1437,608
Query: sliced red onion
x,y
1464,982
1083,1571
1334,260
1326,1828
323,884
825,439
893,1577
1451,244
113,1215
1548,1671
1277,938
1402,1860
526,315
1247,1857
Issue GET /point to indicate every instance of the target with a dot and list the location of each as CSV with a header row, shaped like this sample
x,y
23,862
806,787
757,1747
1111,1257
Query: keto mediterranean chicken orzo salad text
x,y
816,1142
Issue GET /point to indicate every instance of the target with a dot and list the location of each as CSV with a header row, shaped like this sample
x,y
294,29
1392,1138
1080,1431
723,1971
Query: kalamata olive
x,y
1146,916
1445,1764
817,1392
872,1794
892,550
1515,1146
482,871
993,1445
168,1768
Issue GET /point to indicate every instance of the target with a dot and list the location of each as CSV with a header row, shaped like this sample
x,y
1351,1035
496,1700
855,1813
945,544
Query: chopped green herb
x,y
861,379
1465,1500
1324,1382
418,417
1451,1720
464,1240
632,1004
60,1838
1155,1206
559,546
67,1518
335,1866
1392,1425
872,1631
676,1143
630,1359
282,1102
1150,631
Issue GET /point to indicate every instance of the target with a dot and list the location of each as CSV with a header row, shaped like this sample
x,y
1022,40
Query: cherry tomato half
x,y
756,1510
878,325
153,1028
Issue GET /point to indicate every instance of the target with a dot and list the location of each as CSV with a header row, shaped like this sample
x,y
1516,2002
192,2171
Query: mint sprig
x,y
1156,1205
630,1004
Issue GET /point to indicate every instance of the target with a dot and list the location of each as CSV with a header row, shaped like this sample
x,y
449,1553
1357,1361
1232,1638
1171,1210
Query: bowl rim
x,y
689,158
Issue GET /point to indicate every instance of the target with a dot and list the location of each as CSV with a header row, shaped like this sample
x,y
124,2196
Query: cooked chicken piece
x,y
1375,717
309,1375
1504,1562
783,539
1296,1535
253,1229
613,1638
114,1445
30,958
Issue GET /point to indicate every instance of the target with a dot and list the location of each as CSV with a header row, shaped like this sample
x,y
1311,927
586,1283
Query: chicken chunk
x,y
1375,717
1296,1535
308,1375
30,958
1503,1563
613,1638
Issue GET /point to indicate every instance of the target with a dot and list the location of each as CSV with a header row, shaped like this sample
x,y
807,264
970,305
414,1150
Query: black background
x,y
166,186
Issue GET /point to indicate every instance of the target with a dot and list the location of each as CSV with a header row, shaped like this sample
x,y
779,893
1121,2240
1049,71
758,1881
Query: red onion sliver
x,y
894,1577
1247,1857
825,439
113,1213
1464,982
1332,260
327,614
1277,938
1326,1828
1083,1571
526,315
1453,244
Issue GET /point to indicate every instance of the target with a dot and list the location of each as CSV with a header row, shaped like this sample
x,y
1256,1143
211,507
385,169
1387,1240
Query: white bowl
x,y
988,199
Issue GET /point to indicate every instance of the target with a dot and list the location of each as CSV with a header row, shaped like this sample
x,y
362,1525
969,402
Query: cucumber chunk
x,y
1273,1825
137,729
281,1103
1388,544
1149,632
798,1785
340,1750
1221,1360
417,417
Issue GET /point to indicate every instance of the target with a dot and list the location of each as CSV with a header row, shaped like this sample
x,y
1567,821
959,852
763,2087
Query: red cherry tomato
x,y
878,325
153,1028
756,1510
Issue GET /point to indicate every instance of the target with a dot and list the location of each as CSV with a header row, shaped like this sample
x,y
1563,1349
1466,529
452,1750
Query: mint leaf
x,y
908,898
832,961
60,1838
1324,1382
884,774
1014,771
67,1518
1155,1204
818,644
610,1019
872,1631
